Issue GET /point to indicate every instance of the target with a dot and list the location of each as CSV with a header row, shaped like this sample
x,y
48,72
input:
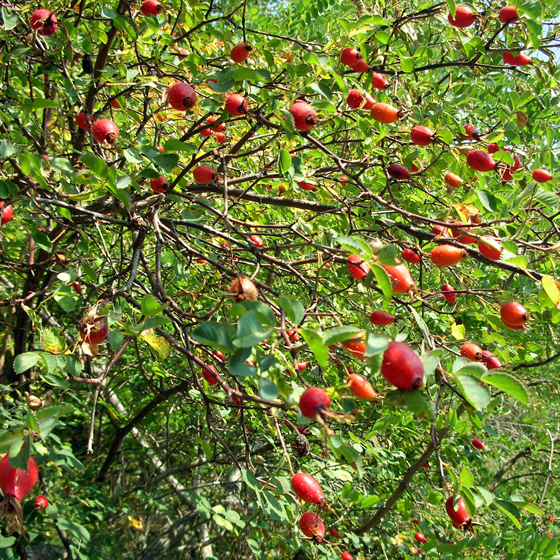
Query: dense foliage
x,y
160,320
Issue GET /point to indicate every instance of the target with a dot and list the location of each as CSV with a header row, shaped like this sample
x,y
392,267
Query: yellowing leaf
x,y
522,118
463,212
158,343
552,289
136,523
457,331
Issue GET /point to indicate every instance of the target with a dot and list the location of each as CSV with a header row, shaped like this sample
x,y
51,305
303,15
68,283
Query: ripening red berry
x,y
305,117
306,186
354,98
472,352
359,270
381,318
301,366
464,17
361,387
105,130
490,360
159,185
44,22
312,526
369,102
402,367
420,538
357,349
480,161
507,173
398,172
416,521
440,231
240,52
7,213
77,287
379,81
513,314
334,533
385,113
350,56
453,180
477,444
211,376
458,516
182,54
181,96
218,354
307,488
41,502
493,148
313,401
219,128
422,135
360,66
115,104
255,240
450,297
470,132
519,60
346,556
447,255
401,280
93,330
220,137
84,120
151,8
541,176
204,174
490,252
206,132
410,256
17,482
508,14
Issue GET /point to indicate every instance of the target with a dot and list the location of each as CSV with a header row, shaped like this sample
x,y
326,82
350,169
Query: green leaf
x,y
469,501
249,331
488,200
55,410
384,281
375,344
510,511
340,334
476,394
356,245
417,402
387,255
96,165
531,508
268,390
467,479
150,306
422,326
317,346
178,146
42,240
79,531
10,438
532,8
214,334
487,496
508,384
10,21
474,369
284,161
6,542
222,522
167,161
369,502
293,308
26,361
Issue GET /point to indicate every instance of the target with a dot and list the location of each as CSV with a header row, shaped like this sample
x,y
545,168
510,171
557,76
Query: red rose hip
x,y
402,367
